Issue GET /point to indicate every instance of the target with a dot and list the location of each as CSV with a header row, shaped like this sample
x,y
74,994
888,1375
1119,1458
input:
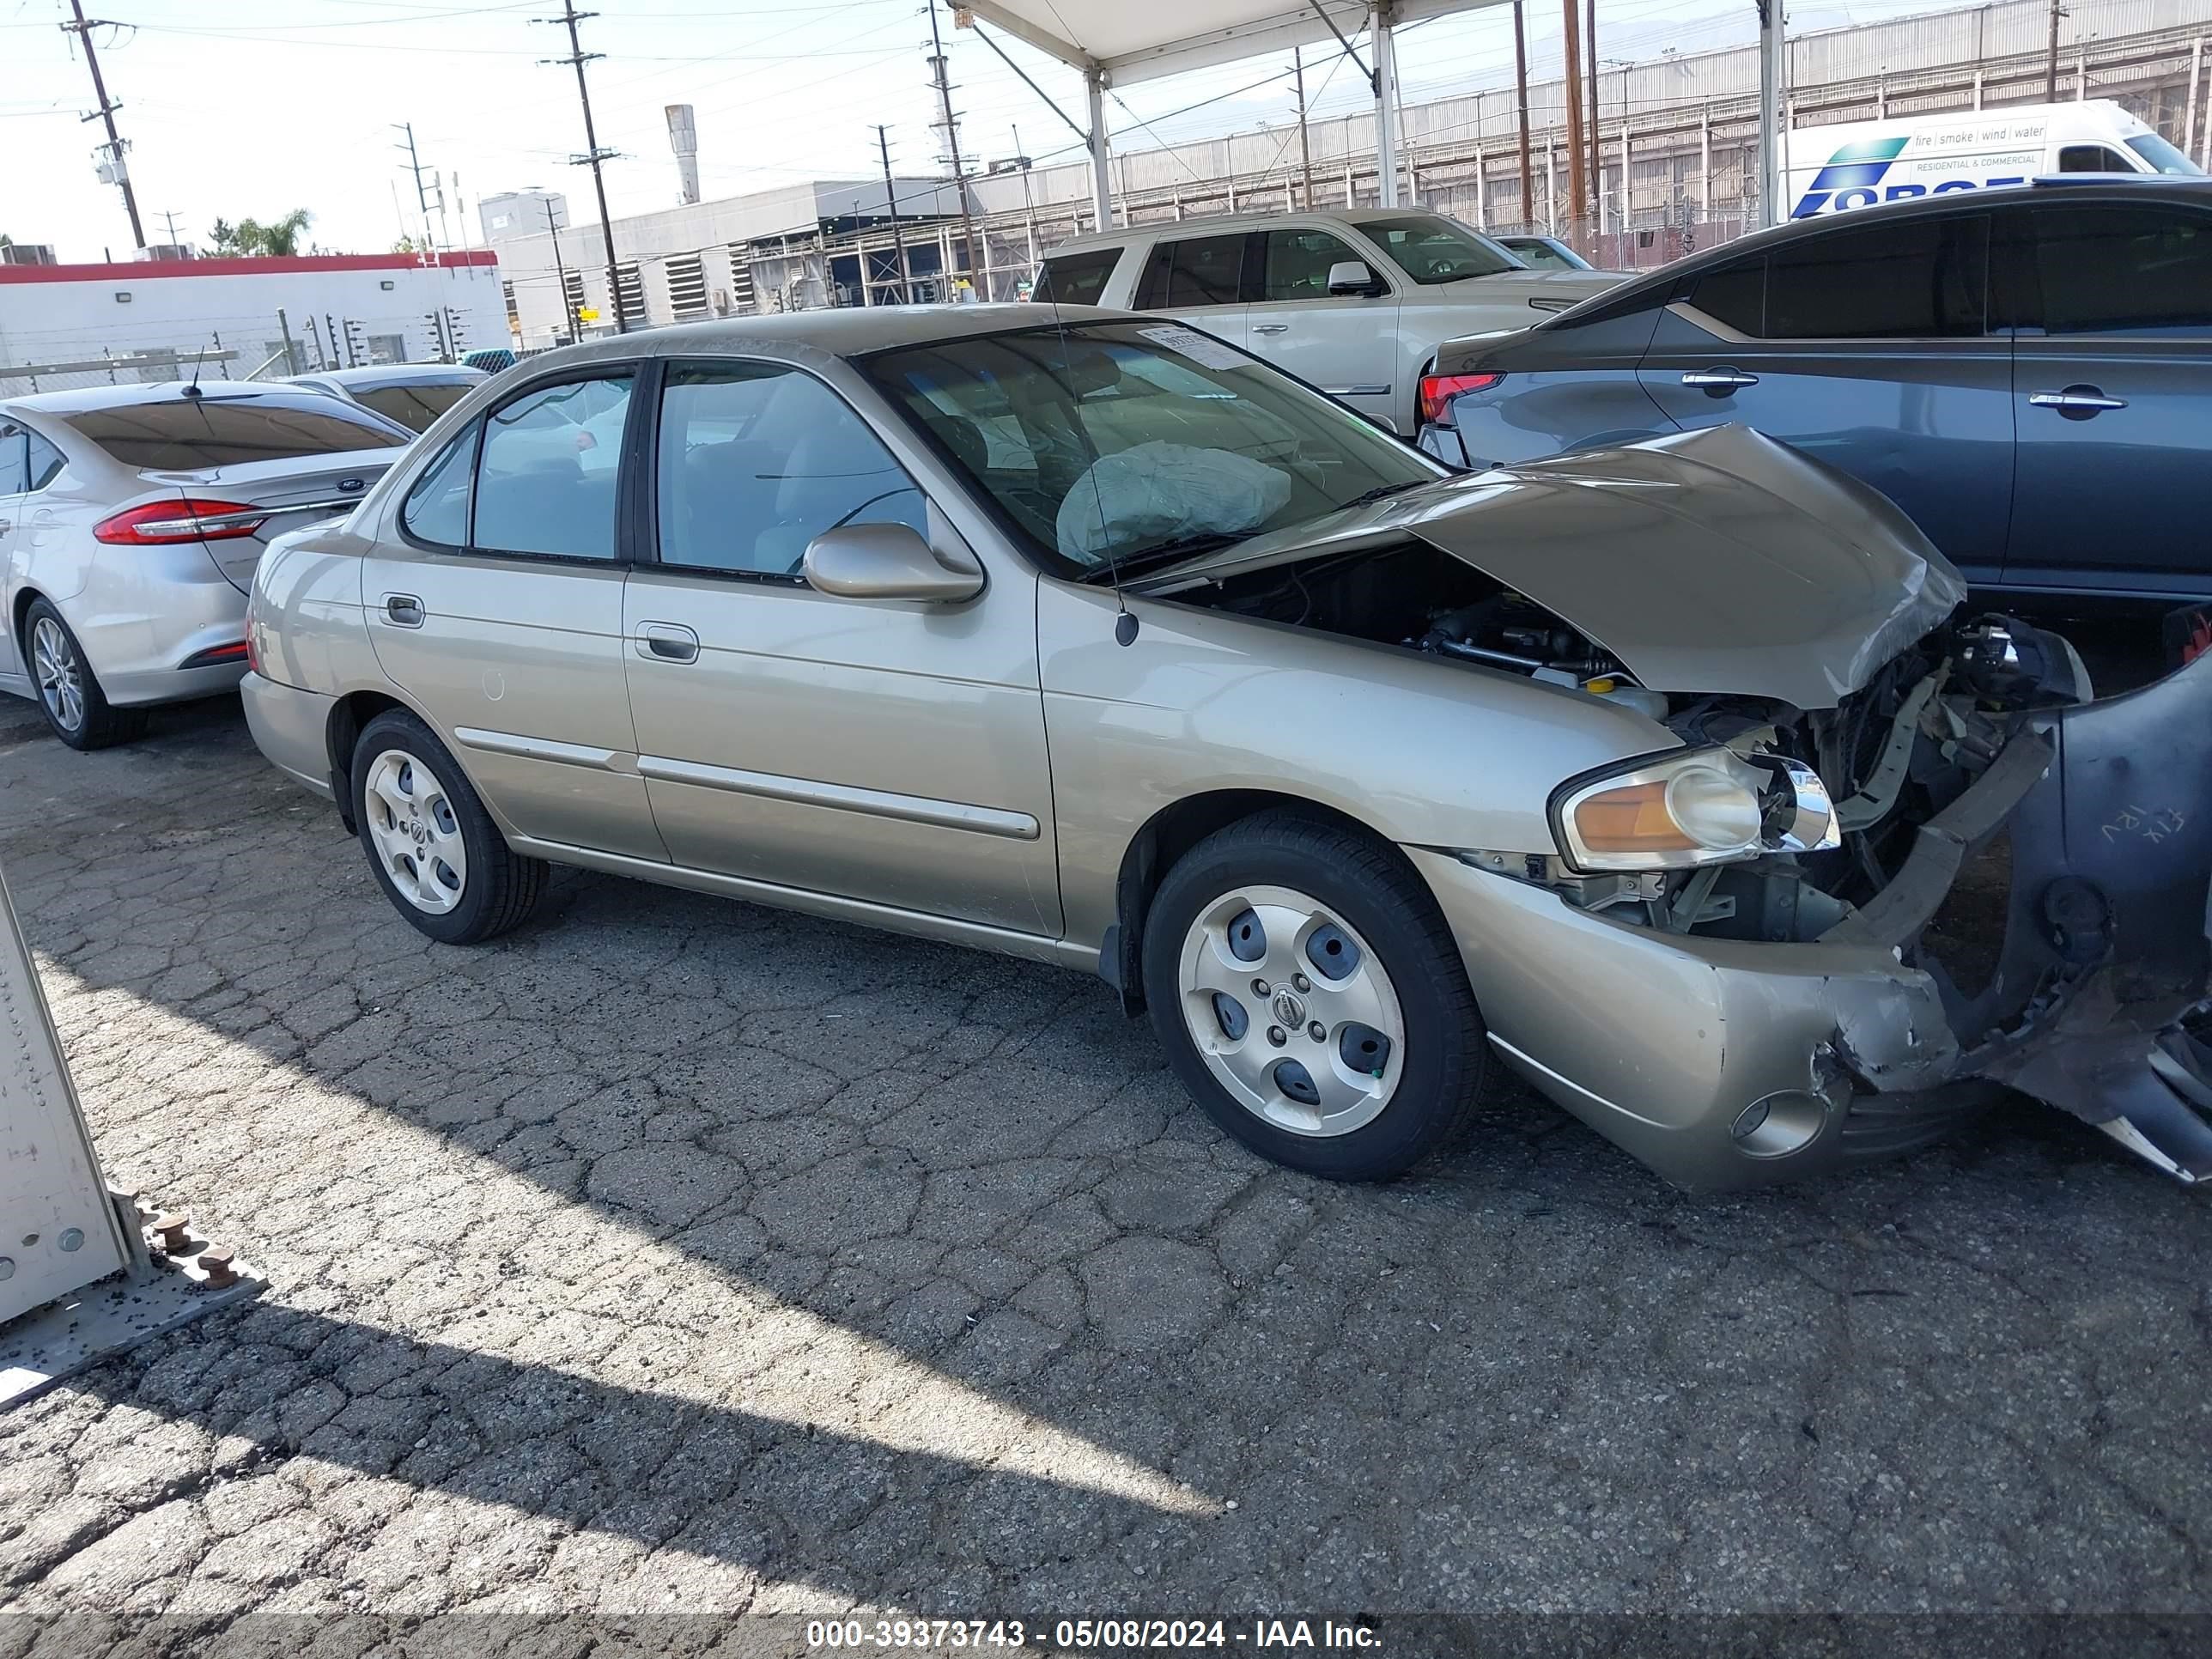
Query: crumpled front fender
x,y
2108,932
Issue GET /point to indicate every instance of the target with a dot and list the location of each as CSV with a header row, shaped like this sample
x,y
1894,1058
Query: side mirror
x,y
1352,277
886,562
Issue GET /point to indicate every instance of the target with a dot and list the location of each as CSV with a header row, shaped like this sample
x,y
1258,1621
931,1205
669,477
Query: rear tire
x,y
1376,1056
438,857
68,693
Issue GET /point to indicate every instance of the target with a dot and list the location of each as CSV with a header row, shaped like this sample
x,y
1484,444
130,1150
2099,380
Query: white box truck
x,y
1837,169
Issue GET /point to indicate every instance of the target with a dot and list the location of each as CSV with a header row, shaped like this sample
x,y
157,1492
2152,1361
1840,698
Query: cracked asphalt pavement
x,y
676,1255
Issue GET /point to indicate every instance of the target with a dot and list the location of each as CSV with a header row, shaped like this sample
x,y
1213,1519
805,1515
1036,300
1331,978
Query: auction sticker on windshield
x,y
1205,353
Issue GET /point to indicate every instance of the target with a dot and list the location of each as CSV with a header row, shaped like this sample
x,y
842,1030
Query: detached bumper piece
x,y
2108,951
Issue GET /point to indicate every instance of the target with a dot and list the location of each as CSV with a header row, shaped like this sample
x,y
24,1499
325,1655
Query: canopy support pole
x,y
1387,142
1771,62
1101,172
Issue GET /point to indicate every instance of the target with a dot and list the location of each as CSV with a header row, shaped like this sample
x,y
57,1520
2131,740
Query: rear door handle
x,y
667,643
402,610
2083,400
1718,382
1271,328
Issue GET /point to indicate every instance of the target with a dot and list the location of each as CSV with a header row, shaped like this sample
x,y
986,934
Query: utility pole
x,y
1305,148
422,197
1521,84
593,155
170,219
976,274
1596,143
2050,64
561,274
120,173
1578,157
891,199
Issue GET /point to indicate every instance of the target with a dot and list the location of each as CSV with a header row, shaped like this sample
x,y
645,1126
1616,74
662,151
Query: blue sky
x,y
253,107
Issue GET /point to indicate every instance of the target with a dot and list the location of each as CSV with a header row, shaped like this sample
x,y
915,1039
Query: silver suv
x,y
1354,303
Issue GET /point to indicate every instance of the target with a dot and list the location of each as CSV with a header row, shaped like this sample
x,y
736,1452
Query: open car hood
x,y
1715,561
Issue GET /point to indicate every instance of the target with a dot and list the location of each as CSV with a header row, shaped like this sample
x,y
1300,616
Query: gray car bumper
x,y
290,726
1731,1063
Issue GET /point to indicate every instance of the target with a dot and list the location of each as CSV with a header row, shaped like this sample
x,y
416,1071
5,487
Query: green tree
x,y
280,238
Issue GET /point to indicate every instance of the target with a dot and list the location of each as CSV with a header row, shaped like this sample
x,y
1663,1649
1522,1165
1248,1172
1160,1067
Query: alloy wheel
x,y
61,678
1291,1011
416,831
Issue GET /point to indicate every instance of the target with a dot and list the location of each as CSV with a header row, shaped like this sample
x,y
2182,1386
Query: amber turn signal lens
x,y
1629,819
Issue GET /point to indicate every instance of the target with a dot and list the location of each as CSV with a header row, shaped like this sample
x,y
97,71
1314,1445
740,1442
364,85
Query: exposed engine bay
x,y
1904,746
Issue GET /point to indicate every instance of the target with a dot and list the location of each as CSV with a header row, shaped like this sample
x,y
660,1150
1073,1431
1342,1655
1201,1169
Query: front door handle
x,y
667,643
1718,382
2076,401
1271,328
402,610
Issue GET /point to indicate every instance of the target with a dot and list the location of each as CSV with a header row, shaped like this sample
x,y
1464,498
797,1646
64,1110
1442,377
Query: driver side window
x,y
758,459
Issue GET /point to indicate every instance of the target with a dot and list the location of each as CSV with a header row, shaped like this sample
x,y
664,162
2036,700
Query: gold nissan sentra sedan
x,y
1647,773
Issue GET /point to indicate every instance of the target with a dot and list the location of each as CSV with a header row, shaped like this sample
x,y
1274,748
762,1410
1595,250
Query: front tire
x,y
68,691
438,857
1312,1000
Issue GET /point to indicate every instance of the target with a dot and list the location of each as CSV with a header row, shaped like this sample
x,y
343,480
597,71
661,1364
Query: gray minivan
x,y
2027,372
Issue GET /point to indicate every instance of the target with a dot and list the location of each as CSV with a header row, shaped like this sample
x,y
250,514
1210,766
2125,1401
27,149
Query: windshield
x,y
2162,157
1538,255
1133,444
1430,248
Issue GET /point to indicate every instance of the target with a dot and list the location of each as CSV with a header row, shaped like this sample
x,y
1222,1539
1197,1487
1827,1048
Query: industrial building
x,y
791,248
65,326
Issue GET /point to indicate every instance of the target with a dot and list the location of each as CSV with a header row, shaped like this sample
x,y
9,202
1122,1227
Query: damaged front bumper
x,y
1728,1063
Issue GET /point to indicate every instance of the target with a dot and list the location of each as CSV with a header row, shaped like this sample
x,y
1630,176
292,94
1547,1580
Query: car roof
x,y
2105,187
841,331
1222,222
79,399
393,374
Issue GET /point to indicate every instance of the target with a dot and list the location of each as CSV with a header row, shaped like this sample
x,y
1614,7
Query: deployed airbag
x,y
1160,491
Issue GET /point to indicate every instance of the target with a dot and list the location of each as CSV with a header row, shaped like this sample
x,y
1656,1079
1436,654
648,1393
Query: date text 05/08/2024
x,y
1088,1635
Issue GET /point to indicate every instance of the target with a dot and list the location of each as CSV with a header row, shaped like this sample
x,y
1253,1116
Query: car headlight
x,y
1696,806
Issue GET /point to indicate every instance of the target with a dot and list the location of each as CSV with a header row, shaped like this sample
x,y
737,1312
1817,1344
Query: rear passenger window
x,y
46,461
1075,279
11,460
1917,279
1920,279
2121,271
1734,295
756,460
547,476
1207,271
437,508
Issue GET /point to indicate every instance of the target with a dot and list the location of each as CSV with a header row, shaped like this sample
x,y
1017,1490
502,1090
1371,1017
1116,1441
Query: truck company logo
x,y
1853,179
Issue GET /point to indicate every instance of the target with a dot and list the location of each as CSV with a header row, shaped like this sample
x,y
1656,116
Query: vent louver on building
x,y
687,286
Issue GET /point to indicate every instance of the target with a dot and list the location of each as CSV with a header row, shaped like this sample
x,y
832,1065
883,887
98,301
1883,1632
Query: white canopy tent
x,y
1126,41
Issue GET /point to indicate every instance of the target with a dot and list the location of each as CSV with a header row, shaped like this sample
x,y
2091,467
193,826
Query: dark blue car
x,y
2027,372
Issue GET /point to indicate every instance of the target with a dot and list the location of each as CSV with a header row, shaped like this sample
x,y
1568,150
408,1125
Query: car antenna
x,y
193,390
1124,622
